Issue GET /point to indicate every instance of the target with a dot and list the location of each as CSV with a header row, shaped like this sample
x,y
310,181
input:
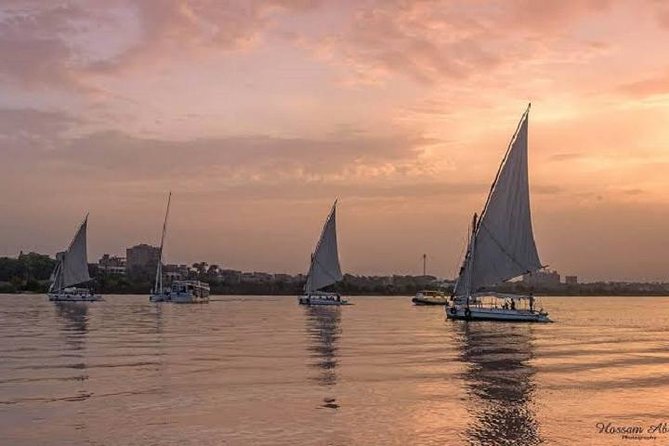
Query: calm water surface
x,y
262,370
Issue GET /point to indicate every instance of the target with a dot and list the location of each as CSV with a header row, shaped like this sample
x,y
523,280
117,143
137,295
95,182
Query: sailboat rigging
x,y
179,291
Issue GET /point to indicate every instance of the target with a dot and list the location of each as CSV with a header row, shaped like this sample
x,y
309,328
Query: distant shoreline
x,y
30,273
37,293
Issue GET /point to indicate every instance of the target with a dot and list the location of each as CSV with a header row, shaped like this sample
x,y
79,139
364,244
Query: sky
x,y
258,114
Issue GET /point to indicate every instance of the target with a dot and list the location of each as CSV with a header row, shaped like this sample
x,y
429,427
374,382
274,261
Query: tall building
x,y
542,278
571,280
112,264
141,256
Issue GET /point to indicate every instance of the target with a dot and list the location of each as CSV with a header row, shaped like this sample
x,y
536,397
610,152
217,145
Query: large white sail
x,y
325,269
503,243
72,268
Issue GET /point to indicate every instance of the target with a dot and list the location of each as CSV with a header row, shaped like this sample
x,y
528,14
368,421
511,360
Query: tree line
x,y
30,272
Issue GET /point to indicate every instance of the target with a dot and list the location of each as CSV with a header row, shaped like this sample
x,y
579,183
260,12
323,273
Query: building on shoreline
x,y
112,264
142,256
542,278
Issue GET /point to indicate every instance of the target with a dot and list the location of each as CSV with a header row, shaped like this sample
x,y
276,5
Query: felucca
x,y
501,245
71,270
324,269
179,291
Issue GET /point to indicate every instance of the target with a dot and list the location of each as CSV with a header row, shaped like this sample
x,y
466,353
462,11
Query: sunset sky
x,y
257,115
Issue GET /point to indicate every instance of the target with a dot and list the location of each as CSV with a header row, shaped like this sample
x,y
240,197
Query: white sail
x,y
57,274
503,243
325,269
73,263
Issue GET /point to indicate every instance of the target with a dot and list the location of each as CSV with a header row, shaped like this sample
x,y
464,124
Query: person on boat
x,y
531,302
513,304
506,305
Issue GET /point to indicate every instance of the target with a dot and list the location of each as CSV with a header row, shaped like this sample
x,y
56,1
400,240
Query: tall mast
x,y
158,287
424,265
470,260
311,265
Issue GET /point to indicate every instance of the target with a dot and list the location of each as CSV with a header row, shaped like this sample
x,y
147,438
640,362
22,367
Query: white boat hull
x,y
422,299
495,314
187,298
183,292
322,299
64,296
159,298
179,298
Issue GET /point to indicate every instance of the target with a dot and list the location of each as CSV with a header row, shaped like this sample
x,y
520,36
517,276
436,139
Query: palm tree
x,y
200,269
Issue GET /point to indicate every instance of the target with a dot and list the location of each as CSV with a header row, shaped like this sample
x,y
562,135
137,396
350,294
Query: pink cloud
x,y
33,51
661,10
433,41
655,85
62,45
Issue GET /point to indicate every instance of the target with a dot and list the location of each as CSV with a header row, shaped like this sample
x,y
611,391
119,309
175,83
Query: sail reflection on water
x,y
324,332
500,383
323,329
74,318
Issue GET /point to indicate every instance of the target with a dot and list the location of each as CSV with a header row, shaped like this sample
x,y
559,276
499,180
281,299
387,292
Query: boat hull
x,y
183,292
495,314
430,297
322,299
74,297
429,301
159,298
188,299
179,298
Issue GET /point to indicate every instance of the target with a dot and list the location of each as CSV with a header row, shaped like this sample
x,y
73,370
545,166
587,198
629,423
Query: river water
x,y
265,371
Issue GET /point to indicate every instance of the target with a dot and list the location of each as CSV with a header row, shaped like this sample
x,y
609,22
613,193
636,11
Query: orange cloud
x,y
651,86
404,109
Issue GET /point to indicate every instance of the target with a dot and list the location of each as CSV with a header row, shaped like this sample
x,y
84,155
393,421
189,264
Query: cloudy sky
x,y
257,114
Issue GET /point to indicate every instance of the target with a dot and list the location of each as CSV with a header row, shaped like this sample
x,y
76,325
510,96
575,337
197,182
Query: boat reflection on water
x,y
75,320
499,382
323,331
74,316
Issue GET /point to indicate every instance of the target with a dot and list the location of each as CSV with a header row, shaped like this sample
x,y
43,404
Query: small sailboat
x,y
179,291
324,270
501,245
71,270
159,294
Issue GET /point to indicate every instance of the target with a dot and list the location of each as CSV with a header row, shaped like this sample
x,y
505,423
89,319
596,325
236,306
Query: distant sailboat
x,y
324,269
501,245
158,294
179,291
71,270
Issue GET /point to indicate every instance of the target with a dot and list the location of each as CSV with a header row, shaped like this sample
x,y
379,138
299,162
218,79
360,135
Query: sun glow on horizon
x,y
258,114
